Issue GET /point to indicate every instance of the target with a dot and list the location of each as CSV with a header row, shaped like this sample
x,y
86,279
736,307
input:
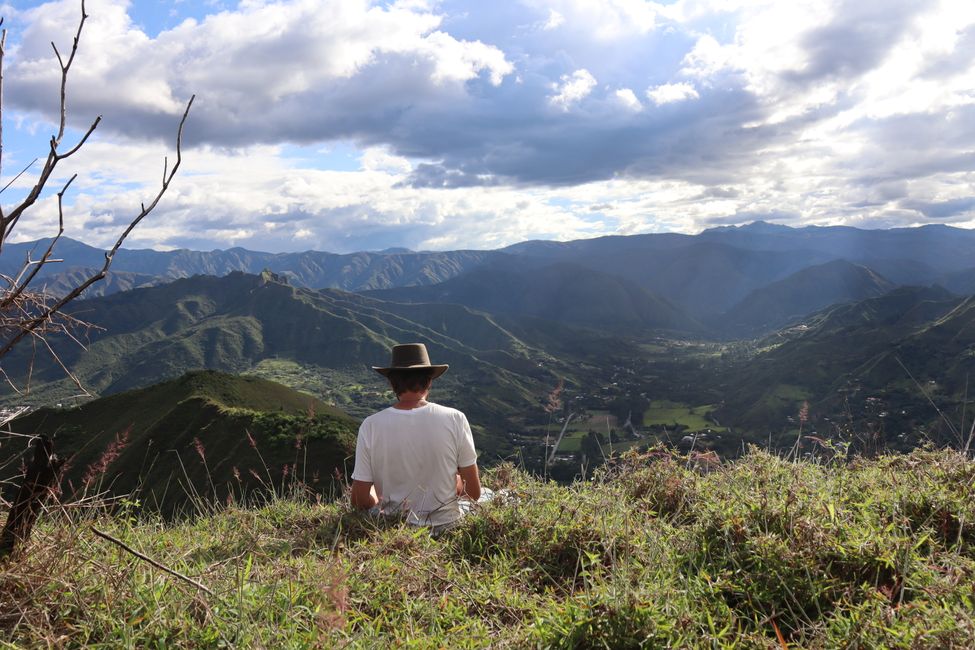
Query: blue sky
x,y
350,125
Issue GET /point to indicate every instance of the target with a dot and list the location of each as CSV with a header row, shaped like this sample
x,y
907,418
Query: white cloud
x,y
669,93
605,20
379,159
833,111
554,20
573,88
265,71
627,98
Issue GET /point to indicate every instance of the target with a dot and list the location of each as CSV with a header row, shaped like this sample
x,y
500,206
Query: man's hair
x,y
405,380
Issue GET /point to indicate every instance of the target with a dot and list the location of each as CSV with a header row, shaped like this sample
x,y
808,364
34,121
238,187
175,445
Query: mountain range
x,y
669,282
750,321
811,289
564,292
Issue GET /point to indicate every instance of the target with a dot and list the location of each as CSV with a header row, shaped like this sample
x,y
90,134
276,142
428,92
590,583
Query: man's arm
x,y
471,481
364,494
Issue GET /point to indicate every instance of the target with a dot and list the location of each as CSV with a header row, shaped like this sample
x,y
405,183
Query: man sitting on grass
x,y
415,456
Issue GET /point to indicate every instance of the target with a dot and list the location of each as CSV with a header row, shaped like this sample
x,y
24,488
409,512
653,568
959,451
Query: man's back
x,y
412,457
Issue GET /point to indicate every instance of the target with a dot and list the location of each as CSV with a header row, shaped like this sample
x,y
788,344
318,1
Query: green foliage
x,y
210,433
653,552
283,427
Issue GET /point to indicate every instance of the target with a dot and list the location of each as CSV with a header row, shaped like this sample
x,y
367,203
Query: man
x,y
415,456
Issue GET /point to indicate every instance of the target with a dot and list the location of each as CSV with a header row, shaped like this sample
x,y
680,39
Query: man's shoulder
x,y
445,411
375,417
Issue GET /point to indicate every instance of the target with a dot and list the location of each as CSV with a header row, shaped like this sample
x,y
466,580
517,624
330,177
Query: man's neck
x,y
408,401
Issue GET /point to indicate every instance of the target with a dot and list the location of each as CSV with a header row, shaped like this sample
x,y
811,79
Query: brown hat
x,y
411,355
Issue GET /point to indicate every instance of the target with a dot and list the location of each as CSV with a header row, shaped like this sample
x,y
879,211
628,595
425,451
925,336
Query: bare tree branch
x,y
64,72
22,286
30,326
3,49
14,179
27,312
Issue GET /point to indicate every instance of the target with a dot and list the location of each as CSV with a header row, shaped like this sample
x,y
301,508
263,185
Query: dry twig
x,y
154,563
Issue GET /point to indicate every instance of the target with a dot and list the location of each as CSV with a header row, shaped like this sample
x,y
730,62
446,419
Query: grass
x,y
669,414
754,554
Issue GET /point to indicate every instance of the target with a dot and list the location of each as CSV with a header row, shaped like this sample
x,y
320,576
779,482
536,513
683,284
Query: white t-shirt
x,y
412,457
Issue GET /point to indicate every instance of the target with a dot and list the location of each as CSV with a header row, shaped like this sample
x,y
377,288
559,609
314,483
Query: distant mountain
x,y
961,282
500,366
705,274
599,245
800,294
59,284
563,292
832,359
165,428
940,247
355,271
703,278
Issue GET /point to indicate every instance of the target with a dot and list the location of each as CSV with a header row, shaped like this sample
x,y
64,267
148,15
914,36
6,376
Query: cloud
x,y
300,71
605,20
668,93
949,210
628,99
858,39
572,88
554,20
455,113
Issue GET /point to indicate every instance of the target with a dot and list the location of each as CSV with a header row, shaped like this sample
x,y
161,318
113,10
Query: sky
x,y
345,125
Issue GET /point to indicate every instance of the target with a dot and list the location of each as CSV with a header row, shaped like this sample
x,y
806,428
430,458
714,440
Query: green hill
x,y
192,436
802,293
847,363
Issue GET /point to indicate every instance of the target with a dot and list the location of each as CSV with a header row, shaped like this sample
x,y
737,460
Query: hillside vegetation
x,y
500,365
200,436
655,551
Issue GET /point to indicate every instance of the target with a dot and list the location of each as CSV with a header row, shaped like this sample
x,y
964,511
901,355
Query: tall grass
x,y
653,551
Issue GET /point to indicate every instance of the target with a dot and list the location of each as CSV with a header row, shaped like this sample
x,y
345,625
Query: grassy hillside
x,y
759,553
846,355
192,436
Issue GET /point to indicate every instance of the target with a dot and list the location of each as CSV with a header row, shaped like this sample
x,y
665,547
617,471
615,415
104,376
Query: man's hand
x,y
363,495
469,482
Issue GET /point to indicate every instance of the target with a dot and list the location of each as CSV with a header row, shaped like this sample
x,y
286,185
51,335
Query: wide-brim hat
x,y
410,356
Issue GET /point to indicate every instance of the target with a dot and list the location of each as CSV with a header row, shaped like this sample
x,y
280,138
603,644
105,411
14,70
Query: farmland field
x,y
669,414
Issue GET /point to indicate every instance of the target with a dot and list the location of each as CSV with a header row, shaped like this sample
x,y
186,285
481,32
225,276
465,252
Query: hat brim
x,y
437,369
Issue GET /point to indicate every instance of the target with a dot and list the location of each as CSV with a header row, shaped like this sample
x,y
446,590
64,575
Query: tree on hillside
x,y
29,315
